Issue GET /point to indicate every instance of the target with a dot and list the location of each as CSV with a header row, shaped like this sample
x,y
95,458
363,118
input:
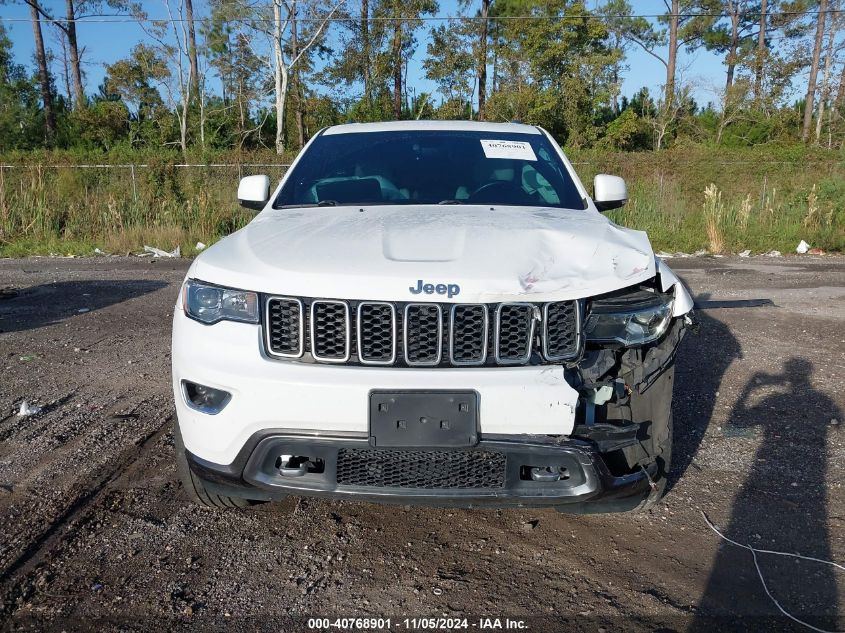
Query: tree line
x,y
246,74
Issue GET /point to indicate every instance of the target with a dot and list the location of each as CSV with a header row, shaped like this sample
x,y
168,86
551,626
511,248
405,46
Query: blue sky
x,y
105,43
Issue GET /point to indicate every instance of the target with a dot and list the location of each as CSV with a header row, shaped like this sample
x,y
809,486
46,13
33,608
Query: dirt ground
x,y
95,532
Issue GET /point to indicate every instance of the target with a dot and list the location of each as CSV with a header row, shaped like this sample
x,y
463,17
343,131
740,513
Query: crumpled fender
x,y
668,279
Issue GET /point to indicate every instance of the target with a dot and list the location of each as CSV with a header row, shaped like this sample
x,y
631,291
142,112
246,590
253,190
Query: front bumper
x,y
587,487
303,398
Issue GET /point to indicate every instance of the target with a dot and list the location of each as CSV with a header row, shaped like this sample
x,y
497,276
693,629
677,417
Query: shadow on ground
x,y
781,506
702,361
39,306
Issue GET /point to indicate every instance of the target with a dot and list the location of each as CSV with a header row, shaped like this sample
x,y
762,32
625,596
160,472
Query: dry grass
x,y
714,210
811,220
745,212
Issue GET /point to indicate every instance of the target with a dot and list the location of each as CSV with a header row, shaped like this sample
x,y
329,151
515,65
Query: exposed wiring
x,y
651,483
755,551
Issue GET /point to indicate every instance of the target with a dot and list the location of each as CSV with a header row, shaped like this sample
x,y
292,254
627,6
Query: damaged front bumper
x,y
607,462
500,471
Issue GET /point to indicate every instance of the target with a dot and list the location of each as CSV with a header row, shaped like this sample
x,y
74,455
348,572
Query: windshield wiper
x,y
309,205
447,201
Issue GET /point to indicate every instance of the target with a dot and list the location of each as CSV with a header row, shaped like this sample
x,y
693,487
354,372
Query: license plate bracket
x,y
418,419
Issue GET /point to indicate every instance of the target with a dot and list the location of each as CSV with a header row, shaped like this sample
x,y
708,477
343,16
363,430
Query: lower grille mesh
x,y
420,469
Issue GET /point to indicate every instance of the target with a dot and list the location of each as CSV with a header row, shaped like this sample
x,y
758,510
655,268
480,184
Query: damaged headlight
x,y
633,319
211,304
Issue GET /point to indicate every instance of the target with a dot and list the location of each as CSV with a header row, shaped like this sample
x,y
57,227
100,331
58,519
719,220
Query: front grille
x,y
285,327
330,330
420,469
376,333
515,332
422,334
561,330
468,334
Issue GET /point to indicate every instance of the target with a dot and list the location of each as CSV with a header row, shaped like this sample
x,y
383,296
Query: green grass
x,y
771,198
23,247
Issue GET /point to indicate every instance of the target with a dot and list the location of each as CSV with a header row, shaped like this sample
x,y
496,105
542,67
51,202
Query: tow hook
x,y
546,473
292,466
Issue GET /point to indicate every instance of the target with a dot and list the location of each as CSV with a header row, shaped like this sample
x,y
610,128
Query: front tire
x,y
194,487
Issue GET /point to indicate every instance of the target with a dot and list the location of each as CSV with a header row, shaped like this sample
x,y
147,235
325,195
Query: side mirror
x,y
609,192
254,192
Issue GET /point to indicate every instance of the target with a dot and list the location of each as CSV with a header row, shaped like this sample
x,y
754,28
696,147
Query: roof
x,y
466,126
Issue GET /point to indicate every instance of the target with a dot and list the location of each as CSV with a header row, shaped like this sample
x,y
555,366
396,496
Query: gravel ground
x,y
95,531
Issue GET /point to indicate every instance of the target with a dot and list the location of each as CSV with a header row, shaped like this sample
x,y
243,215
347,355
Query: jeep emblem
x,y
450,290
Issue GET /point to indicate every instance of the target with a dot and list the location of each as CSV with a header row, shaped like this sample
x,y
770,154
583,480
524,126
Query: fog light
x,y
205,399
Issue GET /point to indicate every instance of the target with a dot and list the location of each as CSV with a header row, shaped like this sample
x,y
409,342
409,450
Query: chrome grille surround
x,y
360,333
406,328
315,334
508,334
484,338
268,331
551,351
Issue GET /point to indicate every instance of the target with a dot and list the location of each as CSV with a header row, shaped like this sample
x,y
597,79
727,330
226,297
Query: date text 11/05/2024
x,y
417,624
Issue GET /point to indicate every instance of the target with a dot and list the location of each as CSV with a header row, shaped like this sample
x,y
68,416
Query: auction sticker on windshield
x,y
519,150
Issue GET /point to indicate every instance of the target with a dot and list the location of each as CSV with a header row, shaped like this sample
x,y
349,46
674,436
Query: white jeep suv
x,y
431,312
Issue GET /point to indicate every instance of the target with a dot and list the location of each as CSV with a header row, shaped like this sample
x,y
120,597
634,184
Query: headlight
x,y
211,304
634,320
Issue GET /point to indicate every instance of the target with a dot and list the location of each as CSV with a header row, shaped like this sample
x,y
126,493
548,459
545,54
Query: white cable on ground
x,y
754,553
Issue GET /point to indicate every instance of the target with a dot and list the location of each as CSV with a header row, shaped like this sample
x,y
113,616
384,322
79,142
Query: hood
x,y
387,252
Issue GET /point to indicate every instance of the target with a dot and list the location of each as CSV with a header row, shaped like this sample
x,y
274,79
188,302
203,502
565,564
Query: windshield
x,y
430,167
